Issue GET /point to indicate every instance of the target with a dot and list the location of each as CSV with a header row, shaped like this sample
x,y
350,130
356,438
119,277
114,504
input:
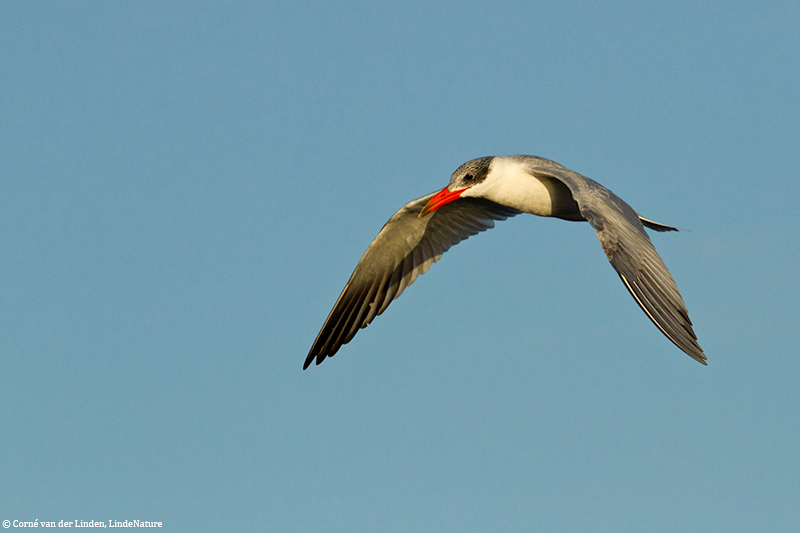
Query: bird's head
x,y
466,176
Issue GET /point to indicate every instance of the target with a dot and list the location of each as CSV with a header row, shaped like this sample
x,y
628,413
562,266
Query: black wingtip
x,y
311,356
700,358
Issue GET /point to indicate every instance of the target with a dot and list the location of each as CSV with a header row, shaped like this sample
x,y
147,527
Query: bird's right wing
x,y
405,248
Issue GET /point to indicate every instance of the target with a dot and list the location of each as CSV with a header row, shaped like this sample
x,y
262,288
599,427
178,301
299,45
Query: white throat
x,y
509,184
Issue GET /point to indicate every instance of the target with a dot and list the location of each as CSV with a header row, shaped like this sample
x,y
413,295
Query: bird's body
x,y
495,188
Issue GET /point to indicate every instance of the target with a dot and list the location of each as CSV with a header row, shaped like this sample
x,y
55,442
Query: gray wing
x,y
627,246
405,248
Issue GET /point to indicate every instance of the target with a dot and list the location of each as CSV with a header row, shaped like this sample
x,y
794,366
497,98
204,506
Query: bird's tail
x,y
655,226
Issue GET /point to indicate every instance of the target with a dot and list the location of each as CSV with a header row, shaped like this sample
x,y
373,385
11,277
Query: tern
x,y
496,188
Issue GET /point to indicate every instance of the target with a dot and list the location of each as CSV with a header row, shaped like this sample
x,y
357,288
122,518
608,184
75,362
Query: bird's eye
x,y
468,177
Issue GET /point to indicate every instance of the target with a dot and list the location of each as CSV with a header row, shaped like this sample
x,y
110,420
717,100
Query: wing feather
x,y
404,249
629,249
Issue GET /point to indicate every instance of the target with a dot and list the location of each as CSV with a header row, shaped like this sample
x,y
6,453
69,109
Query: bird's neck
x,y
509,183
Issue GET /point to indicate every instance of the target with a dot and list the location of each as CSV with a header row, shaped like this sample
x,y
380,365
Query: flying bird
x,y
495,188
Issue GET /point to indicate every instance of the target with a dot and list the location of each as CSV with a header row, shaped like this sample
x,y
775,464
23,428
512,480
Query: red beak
x,y
439,199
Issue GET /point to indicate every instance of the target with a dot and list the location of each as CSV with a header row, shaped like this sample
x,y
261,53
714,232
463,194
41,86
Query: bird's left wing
x,y
627,246
405,248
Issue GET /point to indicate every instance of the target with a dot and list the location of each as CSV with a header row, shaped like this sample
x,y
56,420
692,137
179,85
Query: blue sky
x,y
186,187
